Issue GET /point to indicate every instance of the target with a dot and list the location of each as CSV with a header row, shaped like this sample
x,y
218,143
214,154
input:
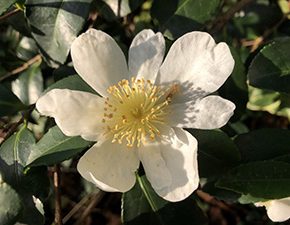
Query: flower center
x,y
135,110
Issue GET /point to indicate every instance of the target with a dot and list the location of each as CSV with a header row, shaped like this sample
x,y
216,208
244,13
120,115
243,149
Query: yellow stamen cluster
x,y
135,110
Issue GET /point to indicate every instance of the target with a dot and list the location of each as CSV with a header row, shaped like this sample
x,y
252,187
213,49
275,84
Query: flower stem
x,y
146,192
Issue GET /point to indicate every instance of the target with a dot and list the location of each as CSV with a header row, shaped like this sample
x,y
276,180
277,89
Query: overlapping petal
x,y
98,60
109,166
210,112
73,112
174,161
197,63
146,54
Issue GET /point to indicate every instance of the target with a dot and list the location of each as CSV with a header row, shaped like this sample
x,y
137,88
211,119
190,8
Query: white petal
x,y
75,112
210,112
146,54
180,158
279,210
196,62
154,165
98,60
109,166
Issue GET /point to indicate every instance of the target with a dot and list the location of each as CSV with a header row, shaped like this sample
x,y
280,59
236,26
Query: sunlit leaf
x,y
29,86
181,16
55,24
4,5
10,204
55,147
14,154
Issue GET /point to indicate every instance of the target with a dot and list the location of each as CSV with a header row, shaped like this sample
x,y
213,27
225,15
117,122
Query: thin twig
x,y
11,130
11,13
96,198
75,208
259,40
221,21
56,184
21,68
213,201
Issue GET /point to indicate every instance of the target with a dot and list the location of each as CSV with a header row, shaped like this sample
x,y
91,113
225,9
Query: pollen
x,y
135,111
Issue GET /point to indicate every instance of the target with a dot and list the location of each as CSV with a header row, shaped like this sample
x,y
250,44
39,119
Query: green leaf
x,y
266,179
142,206
220,193
29,86
55,147
270,69
5,4
26,48
181,16
55,24
247,199
10,204
74,82
216,152
9,103
263,144
14,154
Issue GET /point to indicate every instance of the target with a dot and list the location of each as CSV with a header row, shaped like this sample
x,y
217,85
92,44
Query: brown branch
x,y
11,130
96,198
21,68
221,21
11,13
57,202
259,40
212,201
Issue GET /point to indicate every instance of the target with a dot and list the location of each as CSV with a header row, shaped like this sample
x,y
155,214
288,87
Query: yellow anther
x,y
136,109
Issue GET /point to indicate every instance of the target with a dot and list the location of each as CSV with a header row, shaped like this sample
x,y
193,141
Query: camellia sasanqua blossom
x,y
143,107
278,210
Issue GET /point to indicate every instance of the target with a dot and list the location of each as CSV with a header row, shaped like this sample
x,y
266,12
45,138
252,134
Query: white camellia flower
x,y
278,210
143,108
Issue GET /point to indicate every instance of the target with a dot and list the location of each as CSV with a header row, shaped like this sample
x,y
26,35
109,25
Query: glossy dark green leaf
x,y
263,144
216,152
74,82
33,184
10,204
55,147
9,103
220,193
142,206
5,4
55,24
29,85
270,69
266,179
181,16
